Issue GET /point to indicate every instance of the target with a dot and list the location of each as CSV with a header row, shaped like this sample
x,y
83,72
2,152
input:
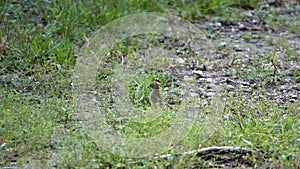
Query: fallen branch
x,y
203,152
210,151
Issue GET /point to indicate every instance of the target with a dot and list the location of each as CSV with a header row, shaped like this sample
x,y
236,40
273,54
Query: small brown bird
x,y
155,96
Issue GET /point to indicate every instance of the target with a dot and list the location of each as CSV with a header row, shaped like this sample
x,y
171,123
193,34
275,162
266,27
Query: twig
x,y
203,152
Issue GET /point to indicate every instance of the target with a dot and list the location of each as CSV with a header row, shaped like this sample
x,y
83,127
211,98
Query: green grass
x,y
38,48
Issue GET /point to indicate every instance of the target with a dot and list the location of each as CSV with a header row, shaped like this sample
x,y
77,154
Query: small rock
x,y
244,83
282,88
230,87
249,14
194,94
198,72
209,90
223,44
218,24
201,80
241,26
237,48
180,60
188,78
254,21
202,90
294,96
208,80
209,94
211,86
